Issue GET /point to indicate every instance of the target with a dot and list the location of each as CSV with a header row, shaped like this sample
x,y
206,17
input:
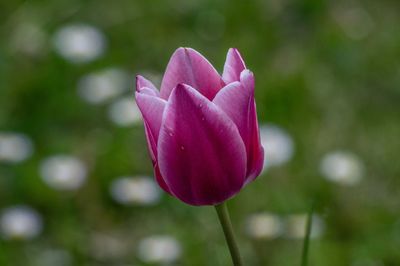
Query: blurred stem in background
x,y
306,244
226,224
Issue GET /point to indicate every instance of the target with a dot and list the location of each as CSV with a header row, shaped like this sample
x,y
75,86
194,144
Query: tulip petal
x,y
190,67
142,82
148,91
160,180
152,109
234,65
200,152
237,101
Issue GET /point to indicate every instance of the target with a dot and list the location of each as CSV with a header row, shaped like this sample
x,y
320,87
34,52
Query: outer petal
x,y
160,180
234,65
152,109
237,100
142,82
200,153
190,67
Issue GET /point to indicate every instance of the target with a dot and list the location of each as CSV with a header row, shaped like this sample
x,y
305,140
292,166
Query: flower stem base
x,y
226,224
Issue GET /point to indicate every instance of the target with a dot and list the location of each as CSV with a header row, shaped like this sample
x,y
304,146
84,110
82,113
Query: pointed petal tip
x,y
246,73
234,65
182,49
137,78
178,88
181,86
141,82
247,79
185,92
233,50
187,49
188,66
145,86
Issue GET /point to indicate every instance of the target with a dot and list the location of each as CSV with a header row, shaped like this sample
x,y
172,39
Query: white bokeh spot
x,y
63,172
159,249
20,222
100,86
79,43
278,145
342,167
15,147
135,191
264,226
124,112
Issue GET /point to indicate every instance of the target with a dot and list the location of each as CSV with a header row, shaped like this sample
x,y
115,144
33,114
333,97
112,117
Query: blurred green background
x,y
75,177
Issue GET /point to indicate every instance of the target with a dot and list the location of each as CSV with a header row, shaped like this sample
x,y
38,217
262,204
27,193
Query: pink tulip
x,y
201,128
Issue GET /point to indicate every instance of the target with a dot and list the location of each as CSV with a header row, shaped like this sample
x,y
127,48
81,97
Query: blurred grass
x,y
330,88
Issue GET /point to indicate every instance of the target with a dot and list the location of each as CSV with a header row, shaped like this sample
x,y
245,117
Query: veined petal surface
x,y
188,66
237,101
200,152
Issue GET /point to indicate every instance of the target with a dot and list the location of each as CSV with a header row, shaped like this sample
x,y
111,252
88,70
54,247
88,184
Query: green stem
x,y
226,224
306,244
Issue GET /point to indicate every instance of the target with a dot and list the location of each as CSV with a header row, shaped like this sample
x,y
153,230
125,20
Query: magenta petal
x,y
143,82
237,100
200,152
151,142
255,152
152,109
234,65
160,180
152,145
148,91
190,67
247,80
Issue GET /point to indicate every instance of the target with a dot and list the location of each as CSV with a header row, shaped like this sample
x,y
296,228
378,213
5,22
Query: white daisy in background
x,y
135,190
342,167
124,112
278,145
264,226
15,147
20,222
79,43
63,172
159,249
295,226
100,86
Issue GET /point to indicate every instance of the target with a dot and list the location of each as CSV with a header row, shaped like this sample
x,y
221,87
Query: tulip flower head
x,y
201,128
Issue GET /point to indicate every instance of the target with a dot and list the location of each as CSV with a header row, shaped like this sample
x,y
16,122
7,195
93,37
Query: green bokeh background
x,y
326,71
